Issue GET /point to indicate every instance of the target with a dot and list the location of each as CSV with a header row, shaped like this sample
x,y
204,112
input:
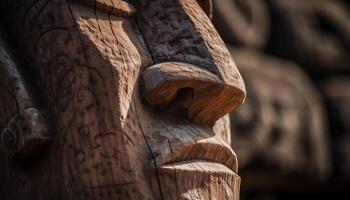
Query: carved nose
x,y
191,91
195,76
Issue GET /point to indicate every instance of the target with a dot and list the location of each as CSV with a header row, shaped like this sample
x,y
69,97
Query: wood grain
x,y
203,52
95,70
23,128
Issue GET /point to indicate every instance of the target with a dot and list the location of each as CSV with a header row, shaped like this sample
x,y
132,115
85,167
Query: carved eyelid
x,y
118,8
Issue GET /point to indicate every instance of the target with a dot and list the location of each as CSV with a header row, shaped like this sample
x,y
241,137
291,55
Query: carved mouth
x,y
213,150
198,178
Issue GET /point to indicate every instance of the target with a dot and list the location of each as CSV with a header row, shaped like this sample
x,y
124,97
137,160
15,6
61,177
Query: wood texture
x,y
317,33
207,6
114,7
95,69
282,126
23,128
209,71
242,22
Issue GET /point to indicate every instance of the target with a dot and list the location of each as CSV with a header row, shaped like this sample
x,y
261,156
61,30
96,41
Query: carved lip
x,y
212,149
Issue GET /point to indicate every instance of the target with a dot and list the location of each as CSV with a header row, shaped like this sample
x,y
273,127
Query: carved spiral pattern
x,y
9,138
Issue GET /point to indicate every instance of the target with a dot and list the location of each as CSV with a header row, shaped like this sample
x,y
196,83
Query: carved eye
x,y
207,7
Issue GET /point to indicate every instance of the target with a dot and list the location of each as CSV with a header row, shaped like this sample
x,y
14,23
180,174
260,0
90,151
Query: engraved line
x,y
154,160
34,21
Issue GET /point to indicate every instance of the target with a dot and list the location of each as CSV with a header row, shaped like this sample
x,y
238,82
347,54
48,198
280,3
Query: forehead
x,y
171,30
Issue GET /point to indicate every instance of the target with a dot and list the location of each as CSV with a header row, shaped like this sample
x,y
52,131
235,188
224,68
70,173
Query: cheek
x,y
124,55
95,80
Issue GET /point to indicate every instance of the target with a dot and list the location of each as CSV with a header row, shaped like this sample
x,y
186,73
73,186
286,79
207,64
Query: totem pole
x,y
135,101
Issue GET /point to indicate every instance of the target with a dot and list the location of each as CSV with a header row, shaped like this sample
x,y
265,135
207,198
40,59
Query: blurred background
x,y
292,135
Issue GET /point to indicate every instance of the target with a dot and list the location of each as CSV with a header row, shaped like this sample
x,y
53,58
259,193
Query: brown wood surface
x,y
23,128
133,90
207,6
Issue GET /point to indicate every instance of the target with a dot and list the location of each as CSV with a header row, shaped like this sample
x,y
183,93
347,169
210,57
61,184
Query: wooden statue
x,y
282,127
315,32
136,93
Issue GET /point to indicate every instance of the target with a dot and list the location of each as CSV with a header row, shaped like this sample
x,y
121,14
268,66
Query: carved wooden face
x,y
281,127
137,88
